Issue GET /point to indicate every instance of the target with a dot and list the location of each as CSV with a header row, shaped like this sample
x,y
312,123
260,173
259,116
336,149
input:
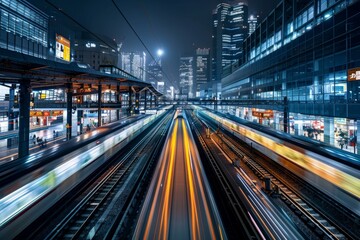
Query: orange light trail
x,y
164,225
195,232
165,209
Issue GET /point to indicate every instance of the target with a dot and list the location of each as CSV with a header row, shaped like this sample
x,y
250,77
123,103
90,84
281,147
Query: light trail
x,y
176,205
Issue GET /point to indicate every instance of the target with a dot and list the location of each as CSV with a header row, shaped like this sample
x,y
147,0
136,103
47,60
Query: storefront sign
x,y
46,113
56,113
354,74
263,114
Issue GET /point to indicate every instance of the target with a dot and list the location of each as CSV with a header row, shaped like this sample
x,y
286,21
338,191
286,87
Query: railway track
x,y
87,217
315,219
312,216
237,208
124,225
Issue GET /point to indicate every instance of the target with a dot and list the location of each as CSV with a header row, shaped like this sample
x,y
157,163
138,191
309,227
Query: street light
x,y
160,52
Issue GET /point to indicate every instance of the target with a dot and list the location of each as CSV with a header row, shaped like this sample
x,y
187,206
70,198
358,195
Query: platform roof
x,y
47,74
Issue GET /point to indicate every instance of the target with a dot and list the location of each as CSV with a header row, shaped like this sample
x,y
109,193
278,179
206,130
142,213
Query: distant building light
x,y
327,16
90,45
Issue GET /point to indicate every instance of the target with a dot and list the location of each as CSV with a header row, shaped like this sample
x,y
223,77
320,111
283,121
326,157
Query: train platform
x,y
44,137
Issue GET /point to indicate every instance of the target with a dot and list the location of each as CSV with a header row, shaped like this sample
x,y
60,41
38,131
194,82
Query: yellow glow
x,y
164,224
160,210
337,177
198,180
195,233
168,180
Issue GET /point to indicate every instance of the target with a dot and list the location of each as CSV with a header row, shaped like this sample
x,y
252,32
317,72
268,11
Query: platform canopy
x,y
47,74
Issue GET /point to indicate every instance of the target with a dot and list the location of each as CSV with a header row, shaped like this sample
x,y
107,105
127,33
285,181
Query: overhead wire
x,y
82,26
144,45
103,41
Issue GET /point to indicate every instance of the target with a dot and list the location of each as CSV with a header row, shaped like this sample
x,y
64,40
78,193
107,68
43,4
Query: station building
x,y
23,28
33,42
300,71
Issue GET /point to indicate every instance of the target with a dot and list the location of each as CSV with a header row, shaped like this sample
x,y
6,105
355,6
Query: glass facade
x,y
312,68
186,71
202,69
23,28
303,51
230,27
134,63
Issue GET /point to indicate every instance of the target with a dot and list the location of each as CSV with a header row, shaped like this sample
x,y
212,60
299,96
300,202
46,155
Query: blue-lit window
x,y
304,17
278,36
322,6
263,46
6,2
325,4
4,20
252,53
11,26
290,28
311,12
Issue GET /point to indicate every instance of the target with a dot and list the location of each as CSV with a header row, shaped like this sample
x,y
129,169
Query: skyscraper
x,y
186,72
252,23
154,72
202,69
134,63
230,27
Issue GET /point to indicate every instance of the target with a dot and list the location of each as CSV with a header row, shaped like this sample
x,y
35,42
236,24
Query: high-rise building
x,y
252,21
154,73
230,28
186,72
202,69
309,60
134,63
23,28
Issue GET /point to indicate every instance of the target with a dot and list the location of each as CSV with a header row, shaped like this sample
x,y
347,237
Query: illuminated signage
x,y
62,48
34,113
354,74
263,114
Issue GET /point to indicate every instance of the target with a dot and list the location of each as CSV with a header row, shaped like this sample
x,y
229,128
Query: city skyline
x,y
260,142
177,34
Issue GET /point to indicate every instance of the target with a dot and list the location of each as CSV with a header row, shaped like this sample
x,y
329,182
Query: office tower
x,y
202,69
134,63
186,72
252,21
230,27
154,72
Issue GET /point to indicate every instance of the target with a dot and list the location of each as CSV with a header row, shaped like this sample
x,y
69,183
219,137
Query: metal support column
x,y
130,101
151,100
286,115
11,115
137,103
24,120
69,109
99,104
80,117
118,101
145,100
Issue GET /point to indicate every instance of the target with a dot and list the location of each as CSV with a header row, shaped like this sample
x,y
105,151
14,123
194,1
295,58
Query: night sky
x,y
178,27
